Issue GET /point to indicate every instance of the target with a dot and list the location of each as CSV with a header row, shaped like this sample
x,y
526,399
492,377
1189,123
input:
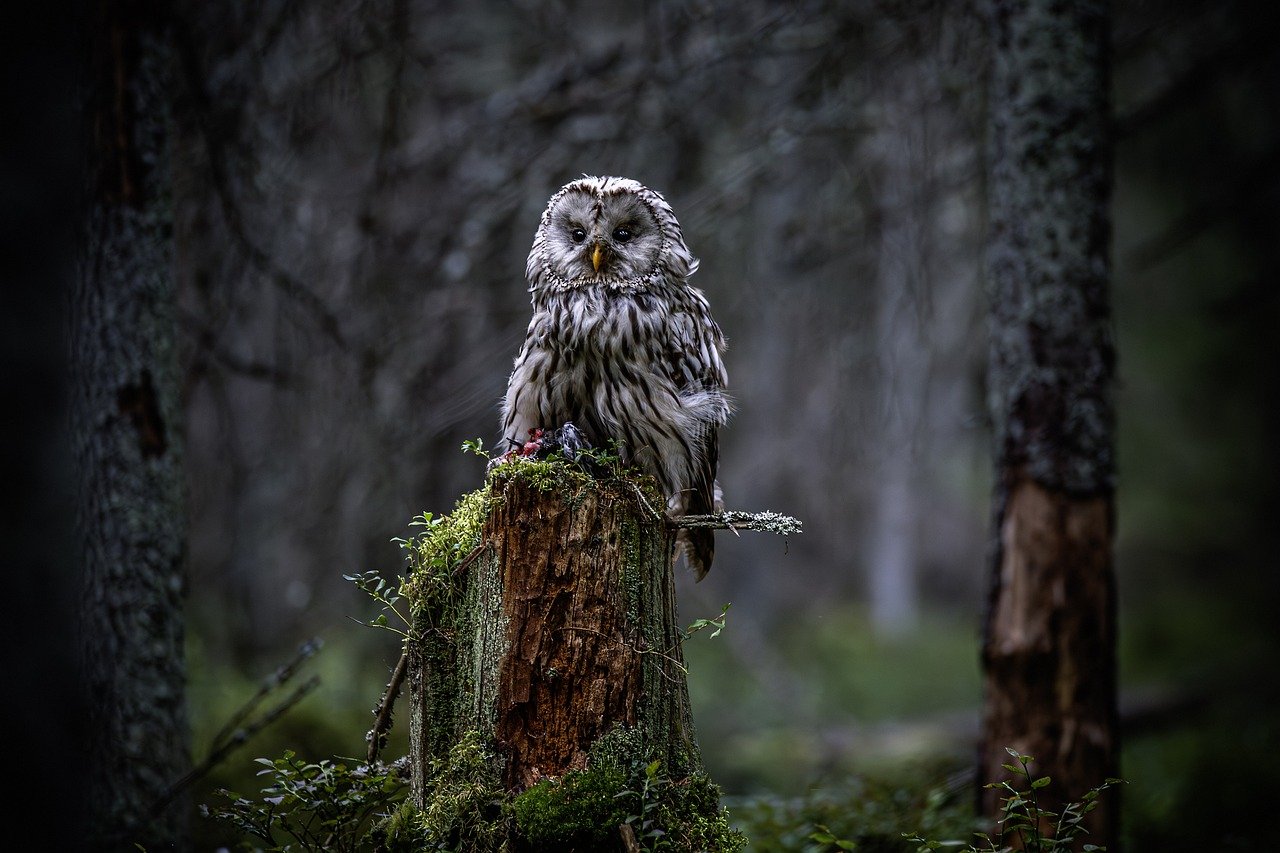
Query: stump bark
x,y
553,638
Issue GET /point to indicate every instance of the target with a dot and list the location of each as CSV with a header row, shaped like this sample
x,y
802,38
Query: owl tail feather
x,y
698,548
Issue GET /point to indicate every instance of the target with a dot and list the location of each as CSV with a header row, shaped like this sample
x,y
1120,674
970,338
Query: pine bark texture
x,y
128,440
1050,632
561,632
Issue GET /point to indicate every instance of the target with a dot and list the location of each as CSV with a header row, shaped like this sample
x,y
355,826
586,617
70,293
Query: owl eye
x,y
622,234
578,235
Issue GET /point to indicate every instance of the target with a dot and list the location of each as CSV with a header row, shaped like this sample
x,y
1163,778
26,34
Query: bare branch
x,y
282,674
767,521
383,714
239,738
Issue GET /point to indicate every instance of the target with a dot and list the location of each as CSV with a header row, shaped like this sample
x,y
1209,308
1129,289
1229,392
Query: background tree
x,y
1049,646
128,436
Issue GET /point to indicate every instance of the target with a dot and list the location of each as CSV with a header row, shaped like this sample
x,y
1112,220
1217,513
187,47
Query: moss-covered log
x,y
545,631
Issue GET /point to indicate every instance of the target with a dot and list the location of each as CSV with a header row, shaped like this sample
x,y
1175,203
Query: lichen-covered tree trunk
x,y
1050,633
559,632
128,438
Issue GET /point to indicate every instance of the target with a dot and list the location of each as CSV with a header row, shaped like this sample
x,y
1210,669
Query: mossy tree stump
x,y
545,624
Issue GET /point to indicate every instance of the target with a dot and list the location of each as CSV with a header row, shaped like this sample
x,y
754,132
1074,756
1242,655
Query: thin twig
x,y
644,501
633,649
465,562
282,674
384,712
235,741
767,521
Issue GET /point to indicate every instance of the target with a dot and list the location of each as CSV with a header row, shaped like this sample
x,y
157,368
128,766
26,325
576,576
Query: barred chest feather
x,y
582,323
607,362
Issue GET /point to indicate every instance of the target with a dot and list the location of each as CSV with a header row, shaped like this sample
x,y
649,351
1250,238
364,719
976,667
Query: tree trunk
x,y
1050,633
128,439
555,640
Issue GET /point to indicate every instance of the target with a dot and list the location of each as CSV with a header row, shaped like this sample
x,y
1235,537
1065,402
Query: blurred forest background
x,y
356,187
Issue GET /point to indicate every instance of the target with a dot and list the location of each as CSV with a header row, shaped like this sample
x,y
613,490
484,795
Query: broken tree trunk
x,y
545,629
1050,633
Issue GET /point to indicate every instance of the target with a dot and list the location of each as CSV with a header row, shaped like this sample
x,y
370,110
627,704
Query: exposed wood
x,y
1049,661
572,664
561,631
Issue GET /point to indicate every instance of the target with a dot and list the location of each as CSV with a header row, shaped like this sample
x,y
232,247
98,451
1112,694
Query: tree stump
x,y
544,628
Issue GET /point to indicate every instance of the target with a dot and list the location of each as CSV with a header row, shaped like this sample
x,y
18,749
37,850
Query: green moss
x,y
584,810
632,579
620,748
435,593
401,832
600,470
581,811
439,546
553,474
466,805
467,808
696,820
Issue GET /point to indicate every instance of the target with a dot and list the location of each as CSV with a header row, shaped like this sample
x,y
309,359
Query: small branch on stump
x,y
767,521
382,715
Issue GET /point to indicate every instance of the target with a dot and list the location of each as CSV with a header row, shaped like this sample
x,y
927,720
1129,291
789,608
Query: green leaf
x,y
1041,782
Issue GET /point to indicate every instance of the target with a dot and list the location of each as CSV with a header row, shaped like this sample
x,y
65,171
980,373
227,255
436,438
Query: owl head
x,y
613,232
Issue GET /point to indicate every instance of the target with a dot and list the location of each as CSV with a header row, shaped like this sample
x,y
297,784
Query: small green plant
x,y
716,622
825,837
313,806
646,812
437,546
386,594
1025,818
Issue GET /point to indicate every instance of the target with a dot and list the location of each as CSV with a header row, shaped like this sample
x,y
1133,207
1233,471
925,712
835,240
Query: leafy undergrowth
x,y
872,817
872,813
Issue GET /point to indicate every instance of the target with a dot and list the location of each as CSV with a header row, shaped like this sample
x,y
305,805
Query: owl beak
x,y
597,256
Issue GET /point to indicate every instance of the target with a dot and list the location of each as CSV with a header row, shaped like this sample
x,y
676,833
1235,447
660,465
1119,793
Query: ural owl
x,y
622,347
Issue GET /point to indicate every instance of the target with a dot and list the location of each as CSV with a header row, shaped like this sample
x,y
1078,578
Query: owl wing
x,y
695,367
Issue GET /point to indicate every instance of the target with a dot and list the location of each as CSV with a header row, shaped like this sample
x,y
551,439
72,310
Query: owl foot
x,y
567,440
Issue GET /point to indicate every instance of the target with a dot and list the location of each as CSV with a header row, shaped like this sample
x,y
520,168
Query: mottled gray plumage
x,y
621,346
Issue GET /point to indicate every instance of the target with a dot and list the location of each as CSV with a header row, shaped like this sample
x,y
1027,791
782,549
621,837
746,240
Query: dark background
x,y
356,187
